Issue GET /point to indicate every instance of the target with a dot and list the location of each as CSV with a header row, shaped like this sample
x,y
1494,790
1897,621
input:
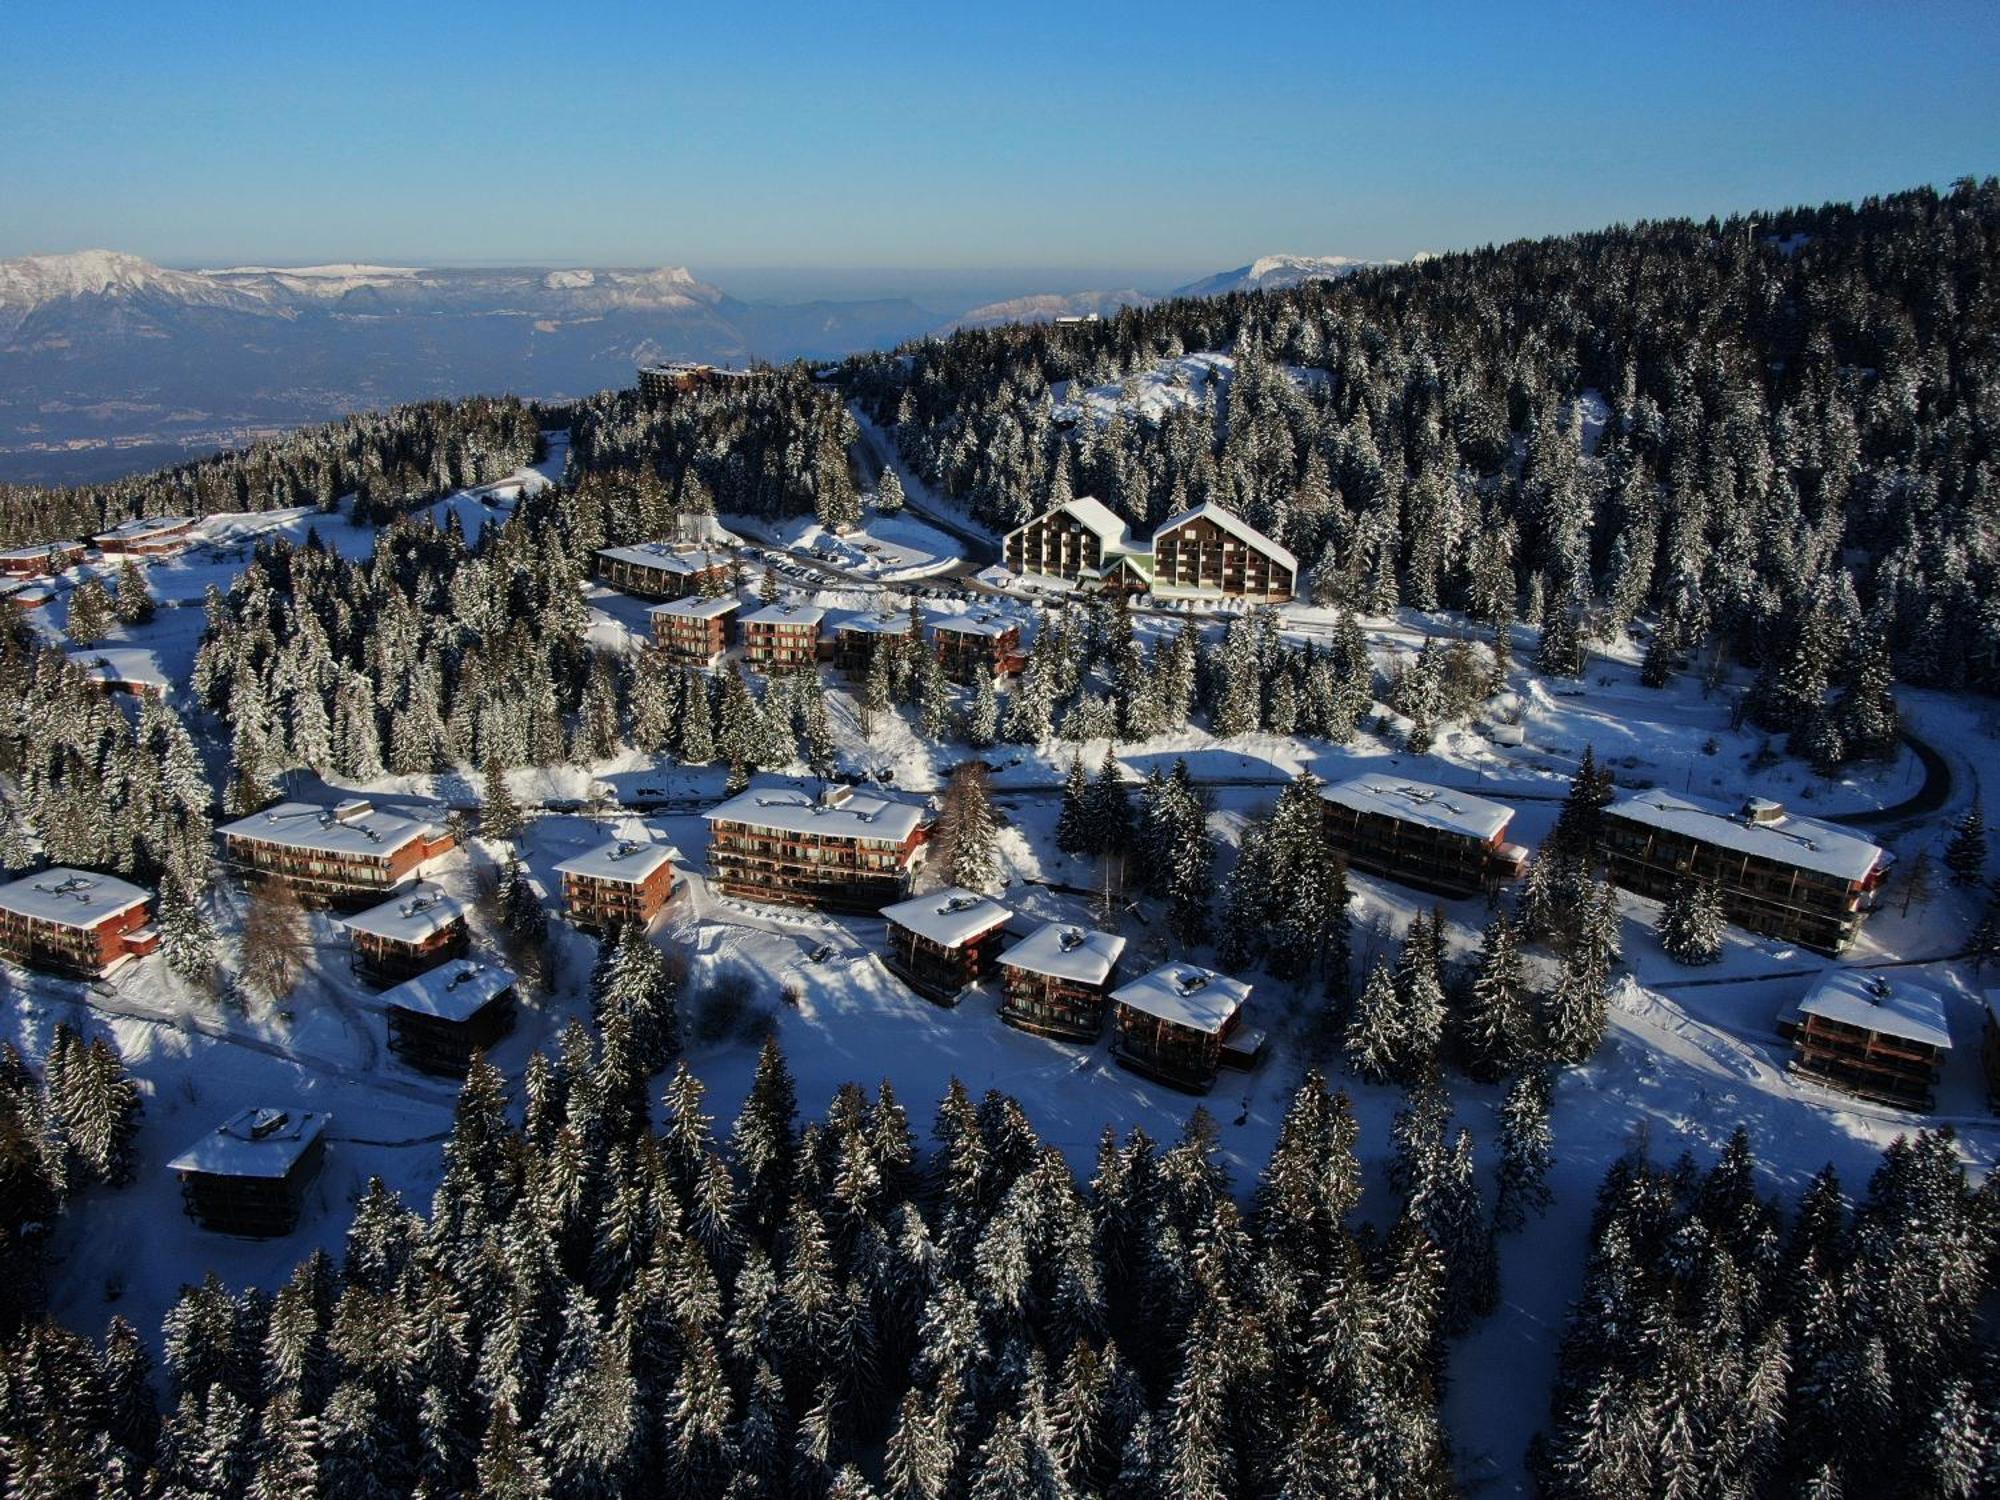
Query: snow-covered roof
x,y
1063,950
353,827
1232,523
142,527
667,557
253,1143
697,608
1420,802
979,624
72,898
626,860
894,623
419,913
124,666
1869,999
1187,995
455,991
861,815
786,614
949,917
1775,835
38,552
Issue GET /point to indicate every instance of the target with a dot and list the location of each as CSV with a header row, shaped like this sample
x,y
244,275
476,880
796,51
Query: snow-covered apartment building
x,y
42,559
943,941
1181,1023
1057,981
844,850
148,536
1432,837
695,631
417,930
857,639
249,1175
665,381
974,644
341,855
664,570
626,880
1781,875
1865,1032
440,1018
1206,552
779,636
76,921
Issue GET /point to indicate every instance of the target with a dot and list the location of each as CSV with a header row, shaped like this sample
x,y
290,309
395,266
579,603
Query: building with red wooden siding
x,y
626,880
69,921
345,855
781,636
696,631
969,645
845,850
149,536
664,570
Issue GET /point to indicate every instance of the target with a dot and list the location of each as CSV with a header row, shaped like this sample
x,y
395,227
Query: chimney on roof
x,y
1761,812
1877,989
835,794
352,810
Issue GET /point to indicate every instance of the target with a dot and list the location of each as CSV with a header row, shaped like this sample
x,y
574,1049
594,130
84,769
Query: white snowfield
x,y
1063,950
800,616
1876,1002
451,992
70,898
253,1142
625,860
990,625
667,557
143,528
1786,838
1187,995
350,828
410,918
1422,802
893,623
951,917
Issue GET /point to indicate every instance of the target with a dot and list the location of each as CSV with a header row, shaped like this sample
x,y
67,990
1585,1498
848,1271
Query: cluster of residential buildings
x,y
149,536
1208,552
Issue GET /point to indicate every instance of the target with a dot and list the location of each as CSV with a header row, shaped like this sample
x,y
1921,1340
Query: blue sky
x,y
1129,138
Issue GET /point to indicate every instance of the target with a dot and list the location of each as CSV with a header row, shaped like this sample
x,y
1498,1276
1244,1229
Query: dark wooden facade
x,y
664,570
967,654
1199,553
332,875
1055,545
775,642
1779,899
1449,861
694,640
938,971
1875,1065
1046,1005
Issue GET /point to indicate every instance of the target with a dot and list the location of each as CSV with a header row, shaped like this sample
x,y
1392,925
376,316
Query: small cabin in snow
x,y
1057,981
249,1175
1181,1023
941,942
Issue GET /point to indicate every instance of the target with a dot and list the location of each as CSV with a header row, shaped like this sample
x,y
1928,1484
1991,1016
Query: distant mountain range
x,y
1273,272
109,363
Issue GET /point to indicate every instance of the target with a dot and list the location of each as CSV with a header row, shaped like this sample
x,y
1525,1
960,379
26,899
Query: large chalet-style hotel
x,y
626,880
1868,1034
942,942
1080,541
149,536
341,855
664,570
76,922
779,636
415,931
1209,552
844,850
249,1175
695,631
677,377
1180,1023
1784,876
1057,981
1432,837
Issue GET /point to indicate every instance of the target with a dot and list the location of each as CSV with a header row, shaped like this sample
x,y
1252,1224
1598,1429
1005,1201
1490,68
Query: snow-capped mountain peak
x,y
1269,272
31,280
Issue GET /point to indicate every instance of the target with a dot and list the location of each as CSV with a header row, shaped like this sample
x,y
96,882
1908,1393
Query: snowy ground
x,y
1692,1054
890,548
